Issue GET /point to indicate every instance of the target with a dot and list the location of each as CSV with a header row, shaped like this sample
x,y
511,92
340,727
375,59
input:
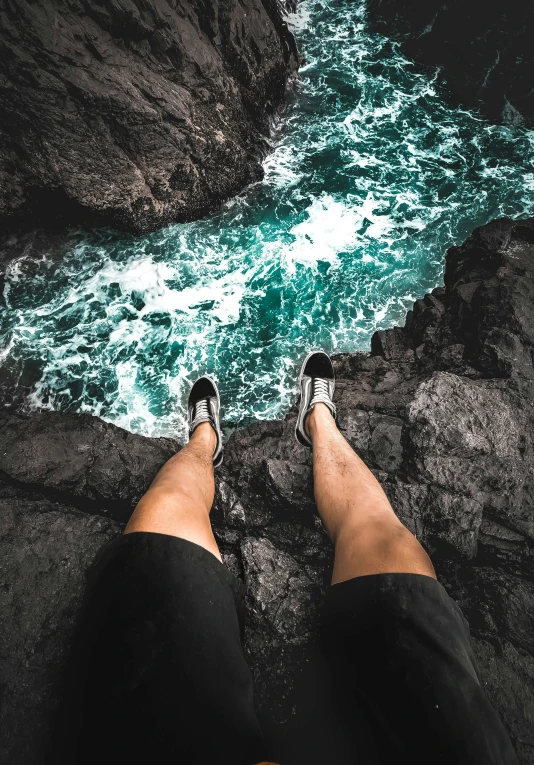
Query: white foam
x,y
330,227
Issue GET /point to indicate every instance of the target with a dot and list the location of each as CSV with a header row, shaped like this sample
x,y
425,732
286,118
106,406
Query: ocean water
x,y
373,174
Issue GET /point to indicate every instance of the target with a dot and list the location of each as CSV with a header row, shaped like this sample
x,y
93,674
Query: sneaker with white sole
x,y
317,383
204,406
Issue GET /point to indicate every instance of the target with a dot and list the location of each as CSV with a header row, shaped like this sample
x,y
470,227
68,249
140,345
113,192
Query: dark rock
x,y
499,609
355,427
45,550
136,114
232,508
453,520
392,343
485,53
508,677
81,457
278,589
385,447
447,430
288,484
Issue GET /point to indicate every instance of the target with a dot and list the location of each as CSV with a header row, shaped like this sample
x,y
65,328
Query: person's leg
x,y
157,671
367,535
179,500
398,646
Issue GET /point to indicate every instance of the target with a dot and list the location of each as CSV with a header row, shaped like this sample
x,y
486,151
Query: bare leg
x,y
179,500
367,535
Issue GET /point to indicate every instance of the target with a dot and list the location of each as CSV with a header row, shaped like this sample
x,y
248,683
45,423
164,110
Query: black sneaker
x,y
203,406
317,383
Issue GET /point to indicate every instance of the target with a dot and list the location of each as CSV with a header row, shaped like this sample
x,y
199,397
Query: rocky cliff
x,y
136,113
441,409
484,51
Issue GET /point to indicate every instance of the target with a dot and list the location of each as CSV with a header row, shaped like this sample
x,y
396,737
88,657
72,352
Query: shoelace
x,y
201,409
320,388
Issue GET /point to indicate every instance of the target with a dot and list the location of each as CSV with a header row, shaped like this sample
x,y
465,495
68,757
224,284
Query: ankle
x,y
205,435
319,417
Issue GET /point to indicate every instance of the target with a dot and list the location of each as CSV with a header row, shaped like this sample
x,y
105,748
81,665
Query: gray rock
x,y
467,435
409,501
233,510
355,427
277,588
392,343
452,519
385,446
136,114
81,457
45,550
508,679
289,484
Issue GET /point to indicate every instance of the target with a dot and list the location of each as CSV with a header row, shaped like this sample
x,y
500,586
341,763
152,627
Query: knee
x,y
162,497
380,545
391,540
378,525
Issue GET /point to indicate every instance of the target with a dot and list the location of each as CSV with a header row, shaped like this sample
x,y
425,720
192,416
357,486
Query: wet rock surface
x,y
136,113
441,410
484,54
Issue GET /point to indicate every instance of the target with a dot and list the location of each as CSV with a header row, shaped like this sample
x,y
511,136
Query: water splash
x,y
373,175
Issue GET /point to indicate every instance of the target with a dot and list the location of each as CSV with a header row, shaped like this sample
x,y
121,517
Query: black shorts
x,y
158,675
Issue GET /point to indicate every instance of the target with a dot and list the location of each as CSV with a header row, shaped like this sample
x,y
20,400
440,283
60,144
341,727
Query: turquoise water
x,y
372,175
